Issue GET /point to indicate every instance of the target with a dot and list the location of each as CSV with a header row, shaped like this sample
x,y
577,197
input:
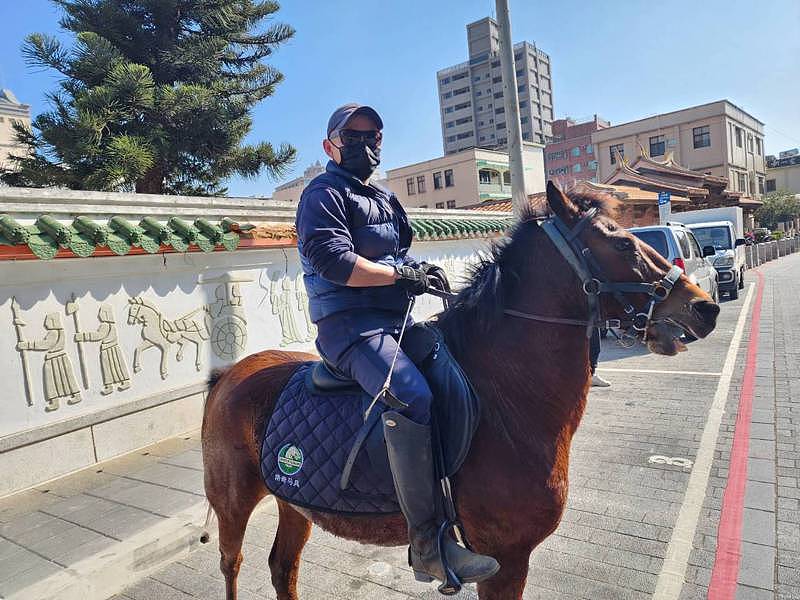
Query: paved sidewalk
x,y
87,535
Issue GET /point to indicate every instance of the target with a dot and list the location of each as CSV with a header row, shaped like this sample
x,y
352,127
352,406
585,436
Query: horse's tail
x,y
215,376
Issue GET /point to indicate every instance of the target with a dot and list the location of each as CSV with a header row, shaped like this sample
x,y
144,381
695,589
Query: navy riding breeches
x,y
368,361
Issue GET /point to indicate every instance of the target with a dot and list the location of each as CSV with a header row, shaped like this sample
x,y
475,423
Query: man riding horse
x,y
353,239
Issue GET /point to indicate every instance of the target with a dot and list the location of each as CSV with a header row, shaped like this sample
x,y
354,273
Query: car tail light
x,y
678,262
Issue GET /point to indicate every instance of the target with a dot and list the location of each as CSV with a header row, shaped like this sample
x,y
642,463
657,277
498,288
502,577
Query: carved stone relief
x,y
159,332
113,366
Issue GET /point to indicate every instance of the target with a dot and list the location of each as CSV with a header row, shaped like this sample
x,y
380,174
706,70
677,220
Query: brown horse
x,y
532,378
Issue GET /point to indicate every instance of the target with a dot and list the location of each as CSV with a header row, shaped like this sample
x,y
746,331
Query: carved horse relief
x,y
161,333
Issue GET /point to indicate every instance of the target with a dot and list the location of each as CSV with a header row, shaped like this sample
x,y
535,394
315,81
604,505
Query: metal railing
x,y
758,254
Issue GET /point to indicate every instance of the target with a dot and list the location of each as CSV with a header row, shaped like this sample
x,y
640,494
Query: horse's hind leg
x,y
284,559
233,490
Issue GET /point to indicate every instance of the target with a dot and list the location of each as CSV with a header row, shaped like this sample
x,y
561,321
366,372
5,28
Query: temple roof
x,y
49,237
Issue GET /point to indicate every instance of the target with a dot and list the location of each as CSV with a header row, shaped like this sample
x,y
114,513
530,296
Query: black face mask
x,y
360,159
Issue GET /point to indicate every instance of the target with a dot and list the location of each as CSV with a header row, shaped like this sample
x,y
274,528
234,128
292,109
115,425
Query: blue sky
x,y
621,59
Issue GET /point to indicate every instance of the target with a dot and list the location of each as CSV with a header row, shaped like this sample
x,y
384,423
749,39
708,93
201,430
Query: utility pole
x,y
519,199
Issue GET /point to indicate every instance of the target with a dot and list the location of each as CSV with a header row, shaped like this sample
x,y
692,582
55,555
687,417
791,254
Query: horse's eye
x,y
623,245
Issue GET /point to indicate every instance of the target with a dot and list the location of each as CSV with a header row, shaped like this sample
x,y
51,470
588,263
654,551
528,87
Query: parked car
x,y
722,228
678,245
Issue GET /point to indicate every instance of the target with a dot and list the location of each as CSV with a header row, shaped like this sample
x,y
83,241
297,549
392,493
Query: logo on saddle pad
x,y
290,459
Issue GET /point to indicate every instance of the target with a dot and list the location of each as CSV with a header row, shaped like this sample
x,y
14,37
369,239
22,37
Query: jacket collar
x,y
338,171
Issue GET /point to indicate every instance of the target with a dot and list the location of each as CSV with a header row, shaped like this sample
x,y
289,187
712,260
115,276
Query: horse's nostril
x,y
707,310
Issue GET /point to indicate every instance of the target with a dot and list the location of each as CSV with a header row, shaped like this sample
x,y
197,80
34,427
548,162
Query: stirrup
x,y
451,584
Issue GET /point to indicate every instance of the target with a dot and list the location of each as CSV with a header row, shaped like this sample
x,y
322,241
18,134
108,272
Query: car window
x,y
718,236
684,244
655,239
695,246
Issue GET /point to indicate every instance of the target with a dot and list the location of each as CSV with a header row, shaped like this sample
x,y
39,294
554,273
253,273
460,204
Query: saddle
x,y
319,451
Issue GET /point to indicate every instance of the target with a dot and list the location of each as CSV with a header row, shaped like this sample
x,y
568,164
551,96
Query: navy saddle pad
x,y
312,431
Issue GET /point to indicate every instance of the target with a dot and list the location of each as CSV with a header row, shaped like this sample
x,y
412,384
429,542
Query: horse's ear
x,y
562,206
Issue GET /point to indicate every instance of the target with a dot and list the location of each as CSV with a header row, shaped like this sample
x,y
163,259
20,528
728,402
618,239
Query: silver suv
x,y
677,244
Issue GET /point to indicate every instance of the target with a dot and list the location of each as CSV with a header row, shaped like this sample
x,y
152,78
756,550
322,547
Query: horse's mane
x,y
496,277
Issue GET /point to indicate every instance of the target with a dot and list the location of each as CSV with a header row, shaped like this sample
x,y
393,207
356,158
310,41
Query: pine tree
x,y
156,96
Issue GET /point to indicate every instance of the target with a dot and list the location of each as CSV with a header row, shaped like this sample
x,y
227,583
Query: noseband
x,y
595,282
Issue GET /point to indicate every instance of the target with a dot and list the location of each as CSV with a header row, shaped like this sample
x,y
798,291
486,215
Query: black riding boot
x,y
411,458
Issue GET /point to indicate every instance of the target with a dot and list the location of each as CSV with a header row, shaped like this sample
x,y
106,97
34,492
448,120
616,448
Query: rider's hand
x,y
412,279
437,278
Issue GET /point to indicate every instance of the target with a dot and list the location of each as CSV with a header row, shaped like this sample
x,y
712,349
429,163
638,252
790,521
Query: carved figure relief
x,y
229,327
161,333
282,305
302,304
58,374
113,366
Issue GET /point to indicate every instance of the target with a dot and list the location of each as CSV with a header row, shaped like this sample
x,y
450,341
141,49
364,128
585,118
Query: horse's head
x,y
636,285
133,311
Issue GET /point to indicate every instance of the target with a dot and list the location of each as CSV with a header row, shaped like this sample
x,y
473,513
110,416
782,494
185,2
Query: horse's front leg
x,y
137,366
509,582
196,342
163,348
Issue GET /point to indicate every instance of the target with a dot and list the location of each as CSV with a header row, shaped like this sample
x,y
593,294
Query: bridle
x,y
595,282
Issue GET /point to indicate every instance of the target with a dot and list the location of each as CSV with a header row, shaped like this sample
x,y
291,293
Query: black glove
x,y
436,276
412,279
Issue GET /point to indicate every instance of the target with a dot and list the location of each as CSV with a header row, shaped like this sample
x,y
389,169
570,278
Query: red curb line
x,y
725,571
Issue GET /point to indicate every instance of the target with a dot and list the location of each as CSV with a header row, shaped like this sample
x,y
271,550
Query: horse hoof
x,y
136,368
163,374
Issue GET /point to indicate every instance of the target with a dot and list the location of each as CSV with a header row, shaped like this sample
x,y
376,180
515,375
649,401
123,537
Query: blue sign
x,y
663,198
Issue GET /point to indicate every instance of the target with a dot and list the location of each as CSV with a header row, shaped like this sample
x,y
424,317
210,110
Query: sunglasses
x,y
352,136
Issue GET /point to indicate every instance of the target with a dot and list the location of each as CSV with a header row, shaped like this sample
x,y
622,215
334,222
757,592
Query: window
x,y
523,119
520,72
739,136
460,91
521,88
458,76
437,180
614,150
592,165
501,125
478,93
683,242
481,123
451,138
497,79
589,149
447,95
449,124
449,109
464,120
695,246
499,111
702,136
410,186
465,135
463,105
448,178
523,103
476,78
576,151
742,180
576,168
658,144
421,184
750,142
480,108
495,64
498,94
759,147
423,206
507,177
440,205
484,176
483,138
444,81
451,204
760,185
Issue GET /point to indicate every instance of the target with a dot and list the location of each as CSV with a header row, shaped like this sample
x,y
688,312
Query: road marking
x,y
661,372
675,461
673,570
729,535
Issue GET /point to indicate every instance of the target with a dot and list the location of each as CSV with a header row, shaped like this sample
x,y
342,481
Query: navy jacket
x,y
338,219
